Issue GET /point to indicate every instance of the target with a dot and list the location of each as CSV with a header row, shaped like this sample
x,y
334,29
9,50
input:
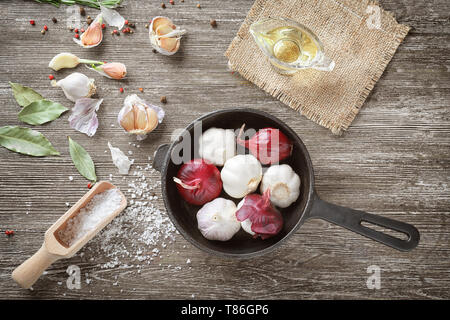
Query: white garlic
x,y
217,220
284,185
217,145
76,86
241,175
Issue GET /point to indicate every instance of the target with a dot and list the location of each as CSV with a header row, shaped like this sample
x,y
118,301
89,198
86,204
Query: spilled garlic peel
x,y
284,185
164,36
241,175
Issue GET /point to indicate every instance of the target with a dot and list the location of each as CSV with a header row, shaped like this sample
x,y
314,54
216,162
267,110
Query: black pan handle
x,y
160,156
351,219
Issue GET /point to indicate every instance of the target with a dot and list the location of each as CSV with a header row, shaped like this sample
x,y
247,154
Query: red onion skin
x,y
204,177
266,220
268,145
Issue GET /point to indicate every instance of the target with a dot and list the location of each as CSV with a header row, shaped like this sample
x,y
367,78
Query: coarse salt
x,y
94,213
138,233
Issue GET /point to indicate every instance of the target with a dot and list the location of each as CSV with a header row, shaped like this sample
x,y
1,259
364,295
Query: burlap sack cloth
x,y
349,33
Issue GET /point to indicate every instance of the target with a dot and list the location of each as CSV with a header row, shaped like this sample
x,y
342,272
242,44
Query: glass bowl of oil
x,y
289,45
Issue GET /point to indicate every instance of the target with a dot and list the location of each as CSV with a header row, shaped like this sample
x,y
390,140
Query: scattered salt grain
x,y
188,261
67,204
96,211
70,178
130,152
137,234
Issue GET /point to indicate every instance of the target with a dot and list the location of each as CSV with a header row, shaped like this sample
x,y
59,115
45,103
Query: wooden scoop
x,y
53,248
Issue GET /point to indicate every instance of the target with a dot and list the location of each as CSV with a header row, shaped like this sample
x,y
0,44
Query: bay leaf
x,y
26,141
82,161
24,95
41,111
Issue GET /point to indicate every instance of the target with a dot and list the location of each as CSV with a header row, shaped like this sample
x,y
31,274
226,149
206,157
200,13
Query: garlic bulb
x,y
217,145
165,37
76,86
284,185
241,175
138,117
217,220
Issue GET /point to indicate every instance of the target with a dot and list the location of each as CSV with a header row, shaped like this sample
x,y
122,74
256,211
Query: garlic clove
x,y
153,121
76,86
126,119
163,29
138,117
170,44
141,119
93,35
165,36
112,70
64,60
160,21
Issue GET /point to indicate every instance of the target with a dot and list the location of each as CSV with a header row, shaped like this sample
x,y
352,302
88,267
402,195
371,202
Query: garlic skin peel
x,y
138,117
76,86
284,185
64,60
120,160
217,220
217,145
165,37
241,175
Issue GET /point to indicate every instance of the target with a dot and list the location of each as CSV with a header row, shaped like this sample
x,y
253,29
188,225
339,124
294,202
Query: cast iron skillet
x,y
307,206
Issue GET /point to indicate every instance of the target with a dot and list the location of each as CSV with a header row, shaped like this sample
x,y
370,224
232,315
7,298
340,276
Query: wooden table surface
x,y
393,161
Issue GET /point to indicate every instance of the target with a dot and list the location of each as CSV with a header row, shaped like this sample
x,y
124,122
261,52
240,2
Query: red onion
x,y
198,182
268,145
266,221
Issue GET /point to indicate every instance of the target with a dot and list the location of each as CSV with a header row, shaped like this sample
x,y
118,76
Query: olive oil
x,y
289,45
